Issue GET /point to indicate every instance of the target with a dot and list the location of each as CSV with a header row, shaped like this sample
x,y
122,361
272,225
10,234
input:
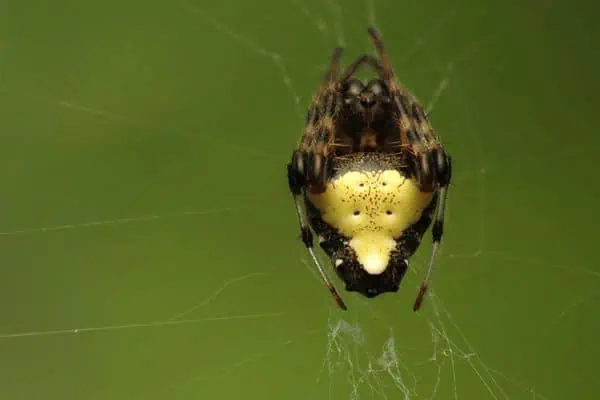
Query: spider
x,y
371,174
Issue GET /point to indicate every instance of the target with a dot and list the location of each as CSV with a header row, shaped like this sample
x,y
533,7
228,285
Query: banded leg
x,y
296,184
319,132
364,59
430,163
437,231
413,125
308,168
386,63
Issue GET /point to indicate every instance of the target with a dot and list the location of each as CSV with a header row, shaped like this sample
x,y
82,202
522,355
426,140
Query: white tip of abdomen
x,y
373,251
375,264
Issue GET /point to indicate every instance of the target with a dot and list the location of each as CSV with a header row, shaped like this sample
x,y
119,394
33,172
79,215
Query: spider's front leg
x,y
430,162
311,159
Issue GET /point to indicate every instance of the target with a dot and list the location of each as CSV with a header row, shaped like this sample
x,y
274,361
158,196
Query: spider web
x,y
117,300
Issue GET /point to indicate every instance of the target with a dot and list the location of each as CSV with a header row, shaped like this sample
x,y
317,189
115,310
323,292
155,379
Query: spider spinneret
x,y
372,176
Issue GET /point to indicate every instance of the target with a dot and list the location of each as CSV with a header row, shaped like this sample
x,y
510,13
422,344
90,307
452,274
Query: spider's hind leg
x,y
442,167
296,185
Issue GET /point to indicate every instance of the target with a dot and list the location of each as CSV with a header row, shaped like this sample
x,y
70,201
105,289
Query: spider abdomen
x,y
371,203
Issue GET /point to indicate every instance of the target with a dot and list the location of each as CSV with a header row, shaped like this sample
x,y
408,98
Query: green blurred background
x,y
149,248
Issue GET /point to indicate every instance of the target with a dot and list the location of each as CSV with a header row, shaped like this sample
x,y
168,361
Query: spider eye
x,y
377,87
354,87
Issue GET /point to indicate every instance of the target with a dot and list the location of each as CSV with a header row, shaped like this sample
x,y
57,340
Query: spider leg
x,y
319,132
387,71
295,181
334,66
433,170
413,124
430,163
364,59
308,168
437,231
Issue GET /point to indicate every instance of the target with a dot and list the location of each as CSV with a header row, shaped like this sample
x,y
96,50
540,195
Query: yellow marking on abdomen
x,y
372,209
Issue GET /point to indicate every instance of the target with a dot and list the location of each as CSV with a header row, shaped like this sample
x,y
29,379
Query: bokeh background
x,y
149,248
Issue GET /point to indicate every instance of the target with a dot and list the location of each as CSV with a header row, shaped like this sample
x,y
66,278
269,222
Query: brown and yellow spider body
x,y
371,174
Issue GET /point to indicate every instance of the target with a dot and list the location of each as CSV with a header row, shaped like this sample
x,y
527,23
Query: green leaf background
x,y
149,248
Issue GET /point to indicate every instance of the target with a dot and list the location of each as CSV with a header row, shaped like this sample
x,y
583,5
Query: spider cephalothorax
x,y
371,173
